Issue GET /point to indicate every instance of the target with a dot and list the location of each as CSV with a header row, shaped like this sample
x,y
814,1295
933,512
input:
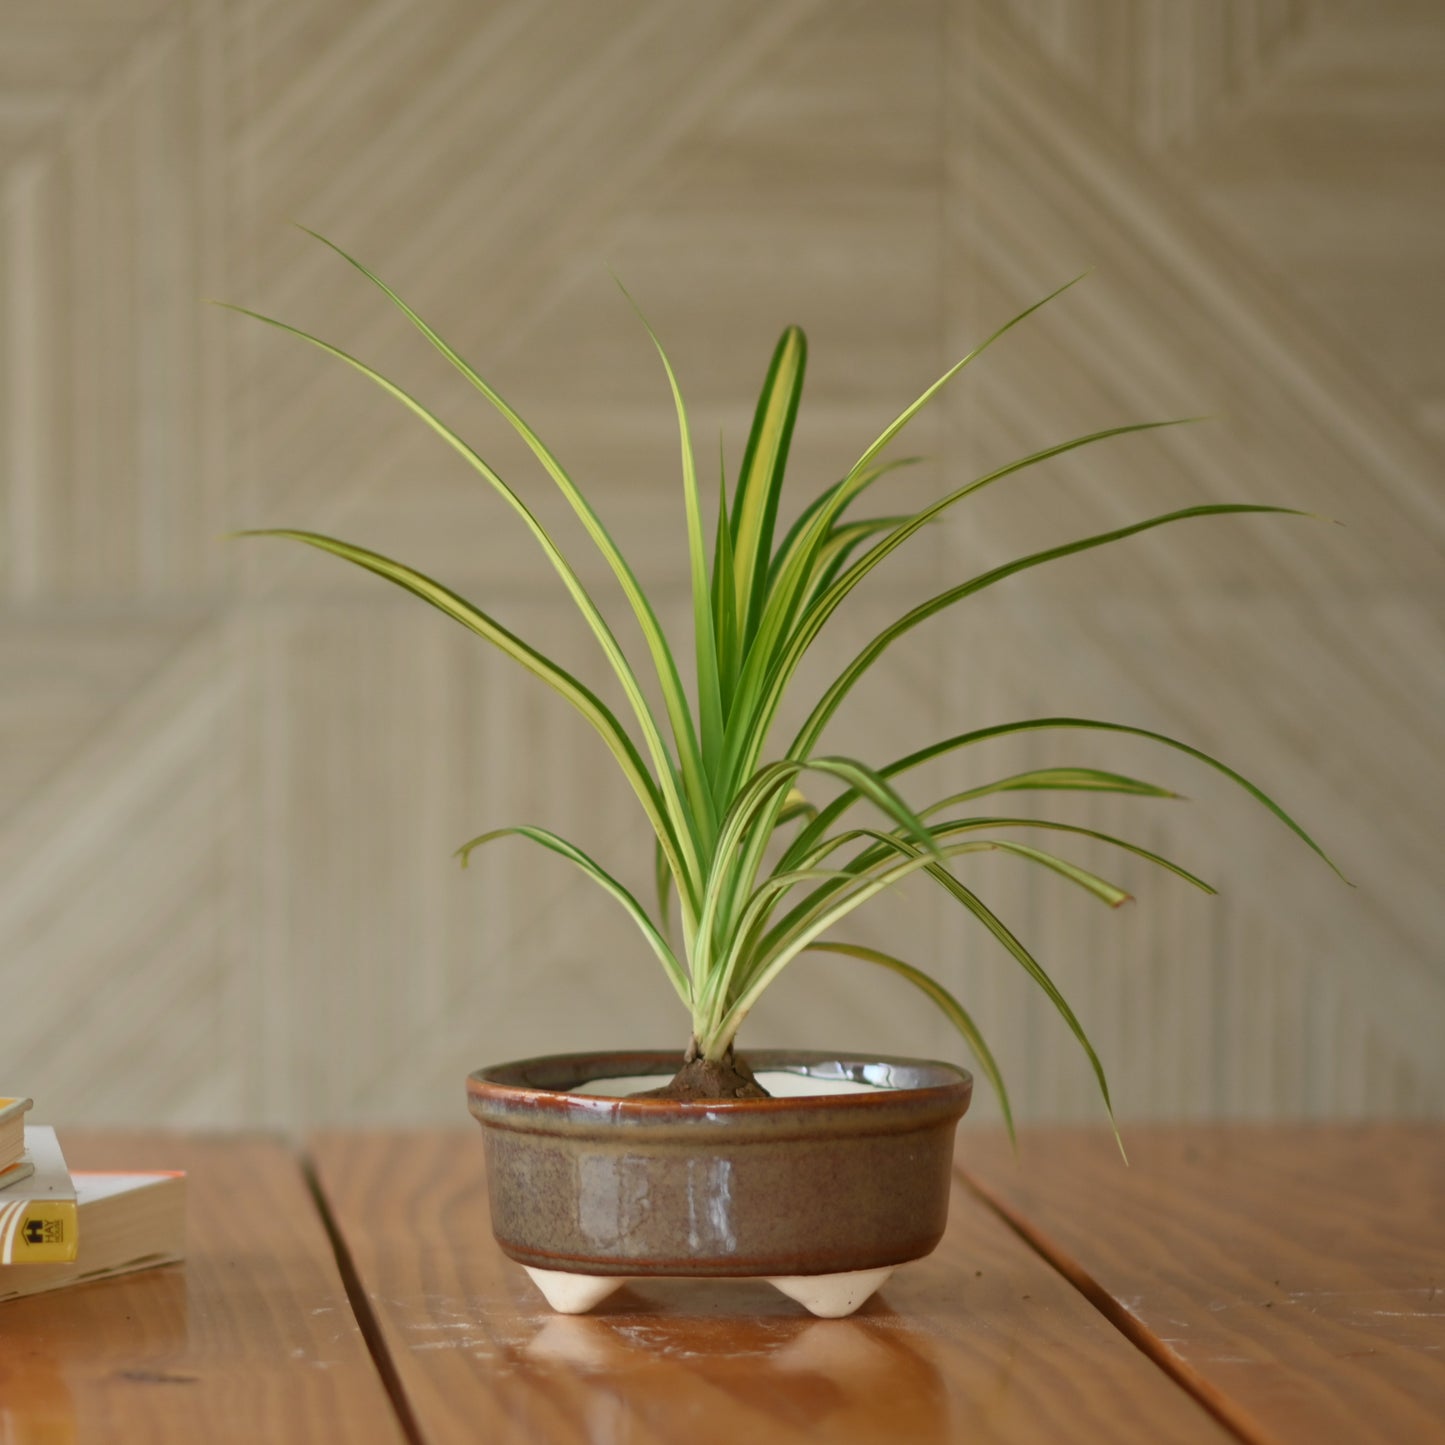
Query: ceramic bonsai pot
x,y
824,1193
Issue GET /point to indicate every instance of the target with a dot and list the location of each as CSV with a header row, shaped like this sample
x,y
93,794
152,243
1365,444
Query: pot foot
x,y
831,1296
573,1294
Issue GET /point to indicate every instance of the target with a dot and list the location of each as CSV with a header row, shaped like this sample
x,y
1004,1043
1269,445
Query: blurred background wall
x,y
233,773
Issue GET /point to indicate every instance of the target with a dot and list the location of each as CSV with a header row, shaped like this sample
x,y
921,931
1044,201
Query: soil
x,y
700,1079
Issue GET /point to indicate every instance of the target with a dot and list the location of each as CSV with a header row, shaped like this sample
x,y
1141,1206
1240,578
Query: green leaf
x,y
561,681
886,844
662,880
1035,970
1101,888
808,734
684,820
789,948
1000,931
724,603
886,436
674,695
753,919
770,679
729,875
833,555
739,856
791,584
1083,780
599,875
776,619
869,785
1067,779
790,545
704,629
966,825
760,479
829,815
954,1011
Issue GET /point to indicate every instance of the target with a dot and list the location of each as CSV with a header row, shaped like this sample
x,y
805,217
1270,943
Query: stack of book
x,y
14,1166
59,1228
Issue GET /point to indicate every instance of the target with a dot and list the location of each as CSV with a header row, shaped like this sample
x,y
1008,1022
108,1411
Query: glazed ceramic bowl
x,y
820,1184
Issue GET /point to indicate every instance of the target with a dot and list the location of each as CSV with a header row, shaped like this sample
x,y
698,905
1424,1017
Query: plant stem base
x,y
829,1296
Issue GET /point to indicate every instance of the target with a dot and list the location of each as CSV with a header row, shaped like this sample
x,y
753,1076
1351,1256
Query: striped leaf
x,y
704,627
727,629
830,814
791,583
599,875
967,825
1081,780
760,479
828,704
687,843
765,685
1035,971
954,1011
559,679
791,545
674,697
1002,933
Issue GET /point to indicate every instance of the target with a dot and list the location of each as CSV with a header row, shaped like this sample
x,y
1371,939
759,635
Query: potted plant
x,y
819,1171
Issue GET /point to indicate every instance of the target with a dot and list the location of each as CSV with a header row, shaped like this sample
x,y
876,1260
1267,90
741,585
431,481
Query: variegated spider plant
x,y
713,795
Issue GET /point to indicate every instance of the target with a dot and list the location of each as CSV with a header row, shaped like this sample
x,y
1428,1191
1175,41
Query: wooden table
x,y
1235,1283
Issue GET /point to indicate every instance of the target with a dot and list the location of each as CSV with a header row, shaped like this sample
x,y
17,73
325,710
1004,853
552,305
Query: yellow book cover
x,y
12,1129
39,1222
130,1222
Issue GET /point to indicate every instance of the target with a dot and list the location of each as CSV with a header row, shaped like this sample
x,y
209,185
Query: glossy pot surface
x,y
781,1186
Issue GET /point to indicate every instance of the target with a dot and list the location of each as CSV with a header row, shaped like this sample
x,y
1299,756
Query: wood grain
x,y
981,1340
252,1339
1293,1276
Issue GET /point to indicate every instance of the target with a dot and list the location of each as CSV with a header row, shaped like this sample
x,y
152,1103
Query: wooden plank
x,y
1292,1276
982,1339
252,1339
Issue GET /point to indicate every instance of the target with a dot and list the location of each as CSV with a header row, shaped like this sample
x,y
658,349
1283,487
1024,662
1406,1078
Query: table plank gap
x,y
1226,1411
362,1309
1294,1272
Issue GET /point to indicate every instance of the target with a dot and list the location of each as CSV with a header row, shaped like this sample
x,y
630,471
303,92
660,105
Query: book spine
x,y
39,1231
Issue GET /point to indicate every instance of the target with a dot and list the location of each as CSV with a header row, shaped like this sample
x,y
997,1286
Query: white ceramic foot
x,y
573,1294
831,1296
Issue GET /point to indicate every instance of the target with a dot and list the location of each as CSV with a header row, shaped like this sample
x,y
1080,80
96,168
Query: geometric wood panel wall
x,y
232,774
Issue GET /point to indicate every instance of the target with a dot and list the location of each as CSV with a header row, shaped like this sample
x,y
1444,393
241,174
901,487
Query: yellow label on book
x,y
38,1231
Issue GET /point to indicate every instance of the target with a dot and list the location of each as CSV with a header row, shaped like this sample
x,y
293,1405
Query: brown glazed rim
x,y
534,1094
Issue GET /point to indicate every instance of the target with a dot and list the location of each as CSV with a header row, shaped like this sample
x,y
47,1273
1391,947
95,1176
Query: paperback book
x,y
39,1221
128,1221
12,1130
